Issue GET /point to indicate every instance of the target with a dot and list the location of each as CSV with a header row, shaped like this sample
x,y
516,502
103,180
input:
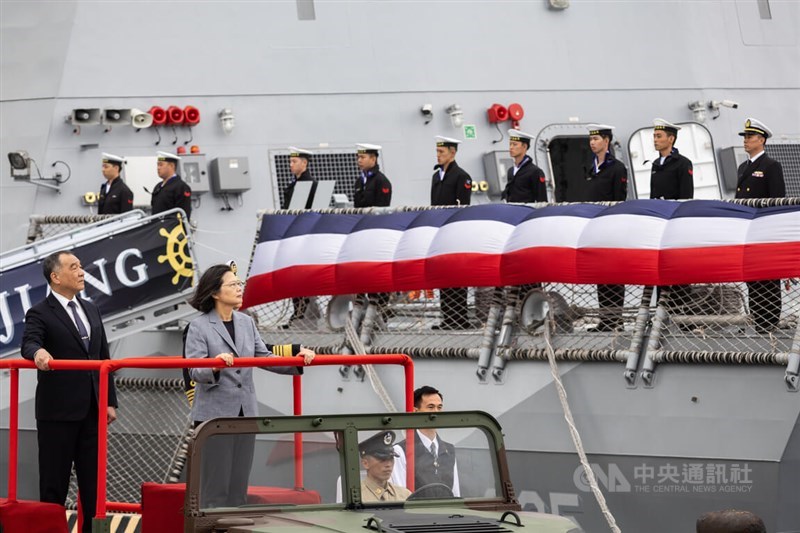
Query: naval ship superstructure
x,y
686,409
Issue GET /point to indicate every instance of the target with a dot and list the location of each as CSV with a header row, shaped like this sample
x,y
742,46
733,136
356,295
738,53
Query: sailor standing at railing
x,y
299,159
224,333
451,185
761,177
64,326
606,181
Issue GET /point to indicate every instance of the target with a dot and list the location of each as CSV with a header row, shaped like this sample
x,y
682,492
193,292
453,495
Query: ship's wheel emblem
x,y
176,253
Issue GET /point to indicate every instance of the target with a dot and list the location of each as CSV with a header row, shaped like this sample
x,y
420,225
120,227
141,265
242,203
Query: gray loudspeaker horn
x,y
338,311
538,304
84,116
141,119
116,116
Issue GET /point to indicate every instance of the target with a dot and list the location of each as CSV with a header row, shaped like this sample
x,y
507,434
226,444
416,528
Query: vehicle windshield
x,y
250,465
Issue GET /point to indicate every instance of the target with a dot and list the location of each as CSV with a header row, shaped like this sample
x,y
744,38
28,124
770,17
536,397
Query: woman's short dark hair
x,y
209,285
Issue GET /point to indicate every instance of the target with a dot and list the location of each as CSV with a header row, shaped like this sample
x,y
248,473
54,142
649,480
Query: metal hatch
x,y
694,141
562,151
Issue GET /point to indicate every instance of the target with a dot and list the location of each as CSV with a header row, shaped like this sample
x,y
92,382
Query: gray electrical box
x,y
230,175
496,165
729,161
195,172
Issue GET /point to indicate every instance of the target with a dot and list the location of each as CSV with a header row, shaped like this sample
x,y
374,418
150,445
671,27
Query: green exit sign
x,y
470,132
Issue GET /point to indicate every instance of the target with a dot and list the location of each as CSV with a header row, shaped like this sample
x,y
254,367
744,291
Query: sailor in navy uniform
x,y
115,197
761,177
606,181
451,185
525,182
299,159
372,187
671,179
672,175
172,192
298,165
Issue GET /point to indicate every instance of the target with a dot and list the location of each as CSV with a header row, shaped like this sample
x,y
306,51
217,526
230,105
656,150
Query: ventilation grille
x,y
789,157
334,165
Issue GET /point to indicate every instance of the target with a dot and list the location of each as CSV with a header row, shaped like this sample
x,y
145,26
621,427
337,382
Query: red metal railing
x,y
107,366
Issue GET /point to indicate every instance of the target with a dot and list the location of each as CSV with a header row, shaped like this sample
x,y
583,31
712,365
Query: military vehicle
x,y
330,466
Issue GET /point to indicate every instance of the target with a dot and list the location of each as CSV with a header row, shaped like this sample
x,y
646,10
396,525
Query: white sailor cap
x,y
446,141
521,136
661,124
300,152
364,148
111,158
166,156
753,125
599,129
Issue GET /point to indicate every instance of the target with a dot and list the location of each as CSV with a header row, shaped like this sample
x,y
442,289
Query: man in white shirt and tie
x,y
434,458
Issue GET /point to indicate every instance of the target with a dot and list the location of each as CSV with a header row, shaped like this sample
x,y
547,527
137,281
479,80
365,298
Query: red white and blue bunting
x,y
639,242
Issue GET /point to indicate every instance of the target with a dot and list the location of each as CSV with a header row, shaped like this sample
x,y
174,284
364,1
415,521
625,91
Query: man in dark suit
x,y
115,197
64,326
451,185
172,192
434,458
761,177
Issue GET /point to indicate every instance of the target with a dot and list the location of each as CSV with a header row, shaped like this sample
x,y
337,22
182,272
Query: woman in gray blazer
x,y
224,333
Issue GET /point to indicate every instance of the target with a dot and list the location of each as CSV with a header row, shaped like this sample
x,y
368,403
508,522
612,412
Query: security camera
x,y
716,104
19,160
427,112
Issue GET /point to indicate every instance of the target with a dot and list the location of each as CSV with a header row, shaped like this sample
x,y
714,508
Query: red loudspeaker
x,y
515,112
174,115
497,113
191,115
159,115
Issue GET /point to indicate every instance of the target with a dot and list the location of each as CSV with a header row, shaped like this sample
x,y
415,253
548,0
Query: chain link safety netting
x,y
738,322
148,441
